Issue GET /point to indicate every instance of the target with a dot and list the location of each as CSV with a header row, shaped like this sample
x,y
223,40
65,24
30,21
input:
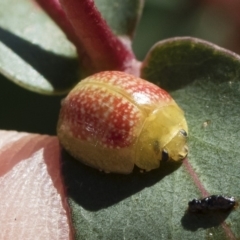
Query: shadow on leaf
x,y
95,190
194,221
60,71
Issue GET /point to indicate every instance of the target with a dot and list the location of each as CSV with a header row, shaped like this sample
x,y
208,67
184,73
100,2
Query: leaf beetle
x,y
113,120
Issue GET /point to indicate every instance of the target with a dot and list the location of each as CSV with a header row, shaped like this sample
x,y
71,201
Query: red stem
x,y
55,11
105,50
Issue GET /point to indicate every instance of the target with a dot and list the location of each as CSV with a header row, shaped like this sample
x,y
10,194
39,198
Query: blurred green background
x,y
23,110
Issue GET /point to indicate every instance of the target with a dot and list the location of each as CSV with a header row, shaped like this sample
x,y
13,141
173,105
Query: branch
x,y
105,50
54,10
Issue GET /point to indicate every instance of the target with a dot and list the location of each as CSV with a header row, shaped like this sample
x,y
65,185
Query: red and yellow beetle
x,y
113,120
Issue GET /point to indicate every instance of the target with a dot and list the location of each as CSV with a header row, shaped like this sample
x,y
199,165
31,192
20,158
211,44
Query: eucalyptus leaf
x,y
34,52
176,62
204,80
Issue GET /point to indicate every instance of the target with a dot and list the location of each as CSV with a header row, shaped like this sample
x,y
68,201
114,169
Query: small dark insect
x,y
214,202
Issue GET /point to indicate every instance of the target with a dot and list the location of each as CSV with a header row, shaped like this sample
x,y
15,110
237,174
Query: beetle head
x,y
176,149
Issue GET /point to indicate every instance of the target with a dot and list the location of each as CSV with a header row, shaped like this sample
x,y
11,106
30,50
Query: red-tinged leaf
x,y
32,194
35,54
204,80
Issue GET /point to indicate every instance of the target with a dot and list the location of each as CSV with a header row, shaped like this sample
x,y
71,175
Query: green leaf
x,y
34,53
176,62
122,16
153,205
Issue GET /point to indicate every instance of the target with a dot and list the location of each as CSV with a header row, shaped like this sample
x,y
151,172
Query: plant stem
x,y
105,50
55,11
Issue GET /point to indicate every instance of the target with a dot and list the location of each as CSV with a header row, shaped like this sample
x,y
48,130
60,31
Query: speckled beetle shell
x,y
113,120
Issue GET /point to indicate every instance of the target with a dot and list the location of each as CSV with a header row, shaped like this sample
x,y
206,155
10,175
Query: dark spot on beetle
x,y
183,132
165,156
214,202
